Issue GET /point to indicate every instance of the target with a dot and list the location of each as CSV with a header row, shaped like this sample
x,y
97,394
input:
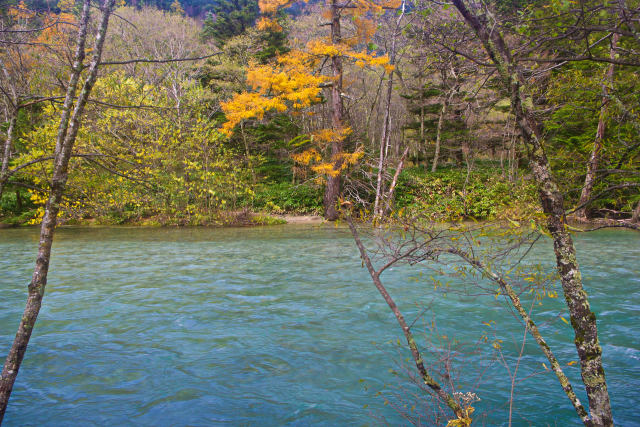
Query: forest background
x,y
200,132
399,109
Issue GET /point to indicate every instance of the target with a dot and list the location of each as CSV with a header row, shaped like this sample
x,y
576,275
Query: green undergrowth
x,y
450,195
447,194
284,197
16,208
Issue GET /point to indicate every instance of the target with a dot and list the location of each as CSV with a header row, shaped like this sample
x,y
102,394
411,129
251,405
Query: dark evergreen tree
x,y
229,18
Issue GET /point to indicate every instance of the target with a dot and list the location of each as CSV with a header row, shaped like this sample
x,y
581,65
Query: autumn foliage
x,y
294,81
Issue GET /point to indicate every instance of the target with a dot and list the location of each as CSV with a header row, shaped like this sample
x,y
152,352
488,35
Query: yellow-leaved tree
x,y
33,62
294,81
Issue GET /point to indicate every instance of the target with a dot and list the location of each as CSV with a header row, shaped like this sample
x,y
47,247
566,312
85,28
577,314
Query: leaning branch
x,y
426,377
158,61
531,326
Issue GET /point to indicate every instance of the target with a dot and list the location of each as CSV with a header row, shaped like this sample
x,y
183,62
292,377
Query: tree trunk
x,y
445,104
594,158
583,320
18,201
635,217
67,132
254,178
6,151
332,191
436,155
530,326
381,161
384,141
392,188
378,208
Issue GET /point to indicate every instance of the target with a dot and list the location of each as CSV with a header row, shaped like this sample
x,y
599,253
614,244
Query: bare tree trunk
x,y
247,153
583,320
384,138
381,159
6,151
386,131
424,374
592,165
443,111
392,188
374,103
635,217
67,132
332,191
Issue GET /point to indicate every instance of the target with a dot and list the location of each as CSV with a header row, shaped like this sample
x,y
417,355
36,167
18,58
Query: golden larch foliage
x,y
292,82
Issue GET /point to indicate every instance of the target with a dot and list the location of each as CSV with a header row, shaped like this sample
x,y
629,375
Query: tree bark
x,y
583,320
378,208
386,210
67,132
635,217
6,151
332,191
594,158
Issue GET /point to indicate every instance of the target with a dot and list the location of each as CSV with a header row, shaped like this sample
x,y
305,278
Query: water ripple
x,y
275,326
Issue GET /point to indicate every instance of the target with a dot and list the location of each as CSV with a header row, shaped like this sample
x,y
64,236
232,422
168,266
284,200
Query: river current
x,y
281,325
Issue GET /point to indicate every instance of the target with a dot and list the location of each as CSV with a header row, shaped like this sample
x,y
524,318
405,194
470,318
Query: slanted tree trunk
x,y
6,152
386,210
583,320
67,132
594,158
406,329
332,191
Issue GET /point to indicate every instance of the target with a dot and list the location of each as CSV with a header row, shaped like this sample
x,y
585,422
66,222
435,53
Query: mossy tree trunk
x,y
583,320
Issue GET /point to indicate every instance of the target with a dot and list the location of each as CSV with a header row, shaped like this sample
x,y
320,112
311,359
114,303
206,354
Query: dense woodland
x,y
193,122
233,112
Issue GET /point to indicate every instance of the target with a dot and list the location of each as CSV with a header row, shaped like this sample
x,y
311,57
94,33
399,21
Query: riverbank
x,y
449,194
261,219
229,219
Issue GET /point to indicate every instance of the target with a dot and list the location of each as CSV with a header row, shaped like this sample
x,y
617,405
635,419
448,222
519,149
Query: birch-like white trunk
x,y
70,122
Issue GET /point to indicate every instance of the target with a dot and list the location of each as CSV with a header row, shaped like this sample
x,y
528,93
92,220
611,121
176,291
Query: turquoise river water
x,y
282,326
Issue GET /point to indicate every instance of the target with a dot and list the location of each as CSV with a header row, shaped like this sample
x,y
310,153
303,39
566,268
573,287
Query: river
x,y
281,326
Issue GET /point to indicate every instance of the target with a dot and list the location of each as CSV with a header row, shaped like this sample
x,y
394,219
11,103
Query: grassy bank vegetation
x,y
450,193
